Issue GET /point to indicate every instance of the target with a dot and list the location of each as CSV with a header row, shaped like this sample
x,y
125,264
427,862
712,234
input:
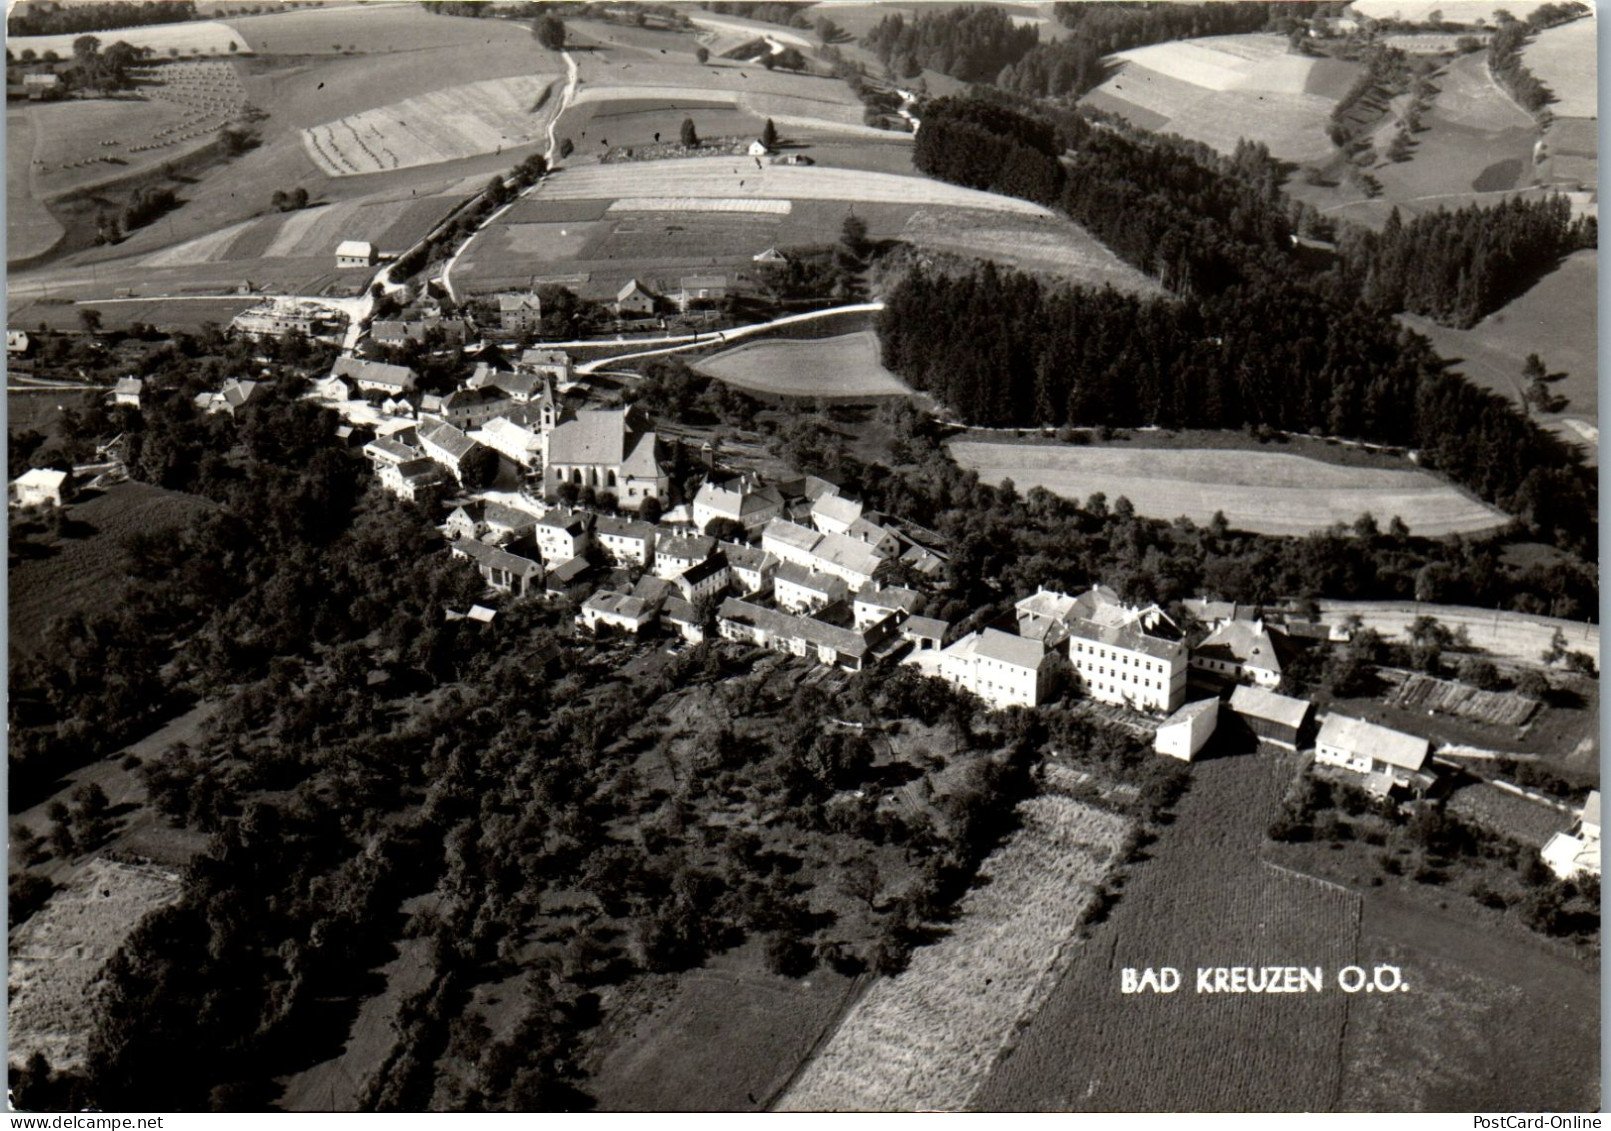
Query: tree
x,y
769,135
689,135
89,320
550,32
299,198
1556,649
853,236
702,54
479,467
789,59
566,147
769,60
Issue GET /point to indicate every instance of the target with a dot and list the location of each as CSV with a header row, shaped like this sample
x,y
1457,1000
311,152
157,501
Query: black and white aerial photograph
x,y
914,556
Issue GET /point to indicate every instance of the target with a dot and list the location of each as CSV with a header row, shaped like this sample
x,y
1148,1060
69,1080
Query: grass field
x,y
1202,898
186,314
1224,88
57,954
1516,637
1048,246
197,37
367,28
1262,491
86,573
927,1038
445,125
1564,59
845,366
1557,319
30,228
1455,11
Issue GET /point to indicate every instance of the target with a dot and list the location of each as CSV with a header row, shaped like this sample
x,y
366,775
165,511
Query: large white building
x,y
605,450
839,554
1002,669
739,500
1125,654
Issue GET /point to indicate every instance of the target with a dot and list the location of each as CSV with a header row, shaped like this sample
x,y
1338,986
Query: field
x,y
165,314
1564,59
1043,246
1497,708
1517,637
445,125
1455,11
367,28
846,366
30,228
1557,319
1201,898
1571,153
85,573
199,37
927,1038
726,1037
1224,88
58,953
1262,491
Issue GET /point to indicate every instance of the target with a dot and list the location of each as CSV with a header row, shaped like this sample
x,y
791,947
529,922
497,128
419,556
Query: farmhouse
x,y
684,618
700,288
384,450
925,634
445,444
568,579
467,520
876,601
355,253
1002,669
127,391
1386,757
506,524
753,568
838,554
233,395
833,514
563,534
1277,719
628,542
42,486
738,500
374,376
633,298
1578,852
674,553
504,571
758,148
555,365
1183,733
618,611
519,445
602,449
800,589
407,480
882,542
518,313
799,636
1240,650
1124,654
453,331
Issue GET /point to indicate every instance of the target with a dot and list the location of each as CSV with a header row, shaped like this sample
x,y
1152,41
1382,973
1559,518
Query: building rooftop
x,y
1191,711
846,641
1006,648
1259,703
1381,743
828,584
1243,642
836,508
443,435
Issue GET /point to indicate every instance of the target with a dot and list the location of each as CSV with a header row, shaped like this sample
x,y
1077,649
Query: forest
x,y
965,42
1254,337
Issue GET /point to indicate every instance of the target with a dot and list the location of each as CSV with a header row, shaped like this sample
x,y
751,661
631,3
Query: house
x,y
603,449
616,610
1577,852
568,579
789,541
753,568
923,561
555,365
331,388
1002,669
355,253
628,541
37,83
518,313
703,579
1183,733
882,542
1277,719
833,514
471,408
1123,654
233,395
127,391
503,570
771,257
394,332
516,443
801,589
445,444
925,634
467,520
852,560
700,288
277,316
1240,650
17,341
799,636
674,553
502,523
374,376
739,500
633,298
1385,757
682,618
388,450
758,148
876,601
42,487
563,534
409,479
654,590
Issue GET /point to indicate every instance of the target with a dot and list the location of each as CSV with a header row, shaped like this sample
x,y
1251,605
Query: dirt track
x,y
1507,636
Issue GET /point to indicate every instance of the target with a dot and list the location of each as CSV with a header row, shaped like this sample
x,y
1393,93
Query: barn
x,y
1277,719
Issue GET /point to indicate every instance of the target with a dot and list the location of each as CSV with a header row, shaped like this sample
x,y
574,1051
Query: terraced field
x,y
1261,491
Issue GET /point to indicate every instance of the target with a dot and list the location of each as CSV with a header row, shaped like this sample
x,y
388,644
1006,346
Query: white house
x,y
1123,654
633,298
674,553
1002,669
627,541
738,500
407,480
374,376
617,610
833,514
753,568
1384,756
355,253
875,602
519,445
800,636
127,391
42,486
703,579
562,535
800,589
1183,733
504,571
1578,852
445,444
758,148
1240,650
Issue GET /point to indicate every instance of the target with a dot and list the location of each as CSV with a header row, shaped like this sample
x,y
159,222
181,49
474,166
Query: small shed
x,y
1185,732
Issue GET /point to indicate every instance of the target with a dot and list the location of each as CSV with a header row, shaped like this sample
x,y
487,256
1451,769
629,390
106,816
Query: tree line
x,y
966,42
45,17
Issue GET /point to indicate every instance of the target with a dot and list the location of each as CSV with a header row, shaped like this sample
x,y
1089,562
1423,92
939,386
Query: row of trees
x,y
47,17
1505,53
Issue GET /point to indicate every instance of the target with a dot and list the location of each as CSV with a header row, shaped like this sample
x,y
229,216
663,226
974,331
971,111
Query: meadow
x,y
1564,59
1454,11
30,228
926,1039
367,28
197,37
1261,491
1221,89
1051,246
843,366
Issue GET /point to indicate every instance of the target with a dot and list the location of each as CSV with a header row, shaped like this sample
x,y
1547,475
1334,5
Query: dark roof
x,y
846,641
491,556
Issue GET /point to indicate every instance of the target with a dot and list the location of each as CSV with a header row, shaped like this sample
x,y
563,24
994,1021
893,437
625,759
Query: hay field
x,y
1052,246
57,955
1262,491
1221,89
729,177
1557,318
927,1038
30,228
815,108
68,145
443,125
843,366
1564,59
367,28
199,37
